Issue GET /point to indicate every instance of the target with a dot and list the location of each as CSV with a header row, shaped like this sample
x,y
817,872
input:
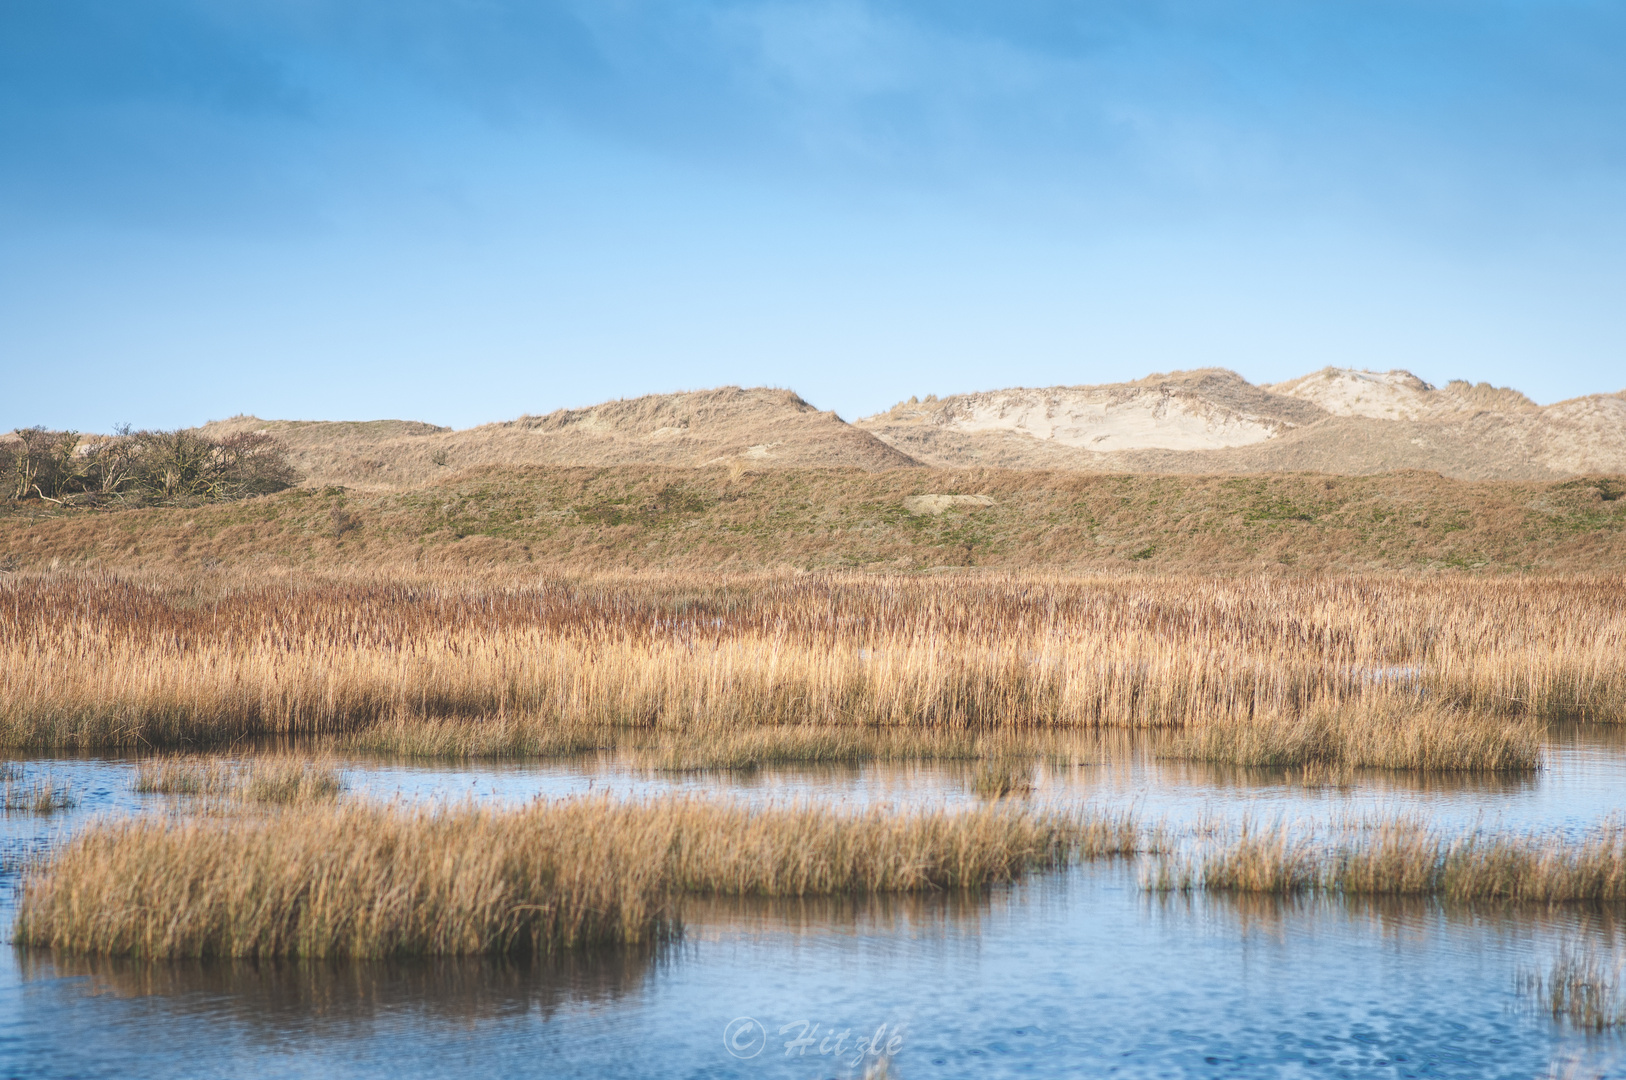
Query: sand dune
x,y
1205,421
1213,421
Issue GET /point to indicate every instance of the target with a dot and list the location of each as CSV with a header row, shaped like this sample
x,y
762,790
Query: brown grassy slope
x,y
759,427
633,517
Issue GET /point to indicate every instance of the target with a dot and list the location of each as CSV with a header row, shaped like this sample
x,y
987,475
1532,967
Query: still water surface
x,y
1075,973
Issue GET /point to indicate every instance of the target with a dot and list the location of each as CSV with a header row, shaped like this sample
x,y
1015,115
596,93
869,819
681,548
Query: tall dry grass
x,y
367,880
46,796
95,662
1393,730
268,778
1405,858
1581,986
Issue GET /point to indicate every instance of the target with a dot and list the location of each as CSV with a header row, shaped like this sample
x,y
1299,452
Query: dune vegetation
x,y
1397,673
363,879
498,521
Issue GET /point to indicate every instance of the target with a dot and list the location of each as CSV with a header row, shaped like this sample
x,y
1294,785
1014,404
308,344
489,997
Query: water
x,y
1075,973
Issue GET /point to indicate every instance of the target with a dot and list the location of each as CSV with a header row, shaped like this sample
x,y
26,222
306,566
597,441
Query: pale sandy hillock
x,y
755,427
1400,395
1213,421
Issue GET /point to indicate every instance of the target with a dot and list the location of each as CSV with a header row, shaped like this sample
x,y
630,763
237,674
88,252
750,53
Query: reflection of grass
x,y
738,748
761,747
271,779
1404,858
373,880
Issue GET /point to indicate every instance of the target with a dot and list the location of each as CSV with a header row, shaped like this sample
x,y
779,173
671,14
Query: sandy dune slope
x,y
755,427
1205,421
1334,420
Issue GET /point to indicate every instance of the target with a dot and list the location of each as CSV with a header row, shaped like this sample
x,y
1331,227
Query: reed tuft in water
x,y
371,880
268,779
1393,730
39,797
1405,858
1001,779
1582,987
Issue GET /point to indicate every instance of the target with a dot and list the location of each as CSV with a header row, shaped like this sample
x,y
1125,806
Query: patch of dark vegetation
x,y
668,503
135,468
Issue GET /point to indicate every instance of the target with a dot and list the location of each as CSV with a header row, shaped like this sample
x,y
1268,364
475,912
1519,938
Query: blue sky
x,y
462,210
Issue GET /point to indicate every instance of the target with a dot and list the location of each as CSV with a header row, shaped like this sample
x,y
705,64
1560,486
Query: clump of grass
x,y
1581,988
185,776
289,781
1385,731
390,880
1270,861
1404,858
272,779
40,797
404,735
999,779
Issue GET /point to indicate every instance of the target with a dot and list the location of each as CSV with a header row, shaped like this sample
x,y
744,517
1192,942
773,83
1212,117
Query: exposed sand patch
x,y
1090,420
1385,395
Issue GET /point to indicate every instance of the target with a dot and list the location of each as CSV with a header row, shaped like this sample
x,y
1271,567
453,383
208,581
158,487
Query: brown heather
x,y
370,880
1398,672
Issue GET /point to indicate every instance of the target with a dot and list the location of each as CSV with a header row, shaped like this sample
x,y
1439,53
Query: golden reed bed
x,y
370,880
1407,858
1456,671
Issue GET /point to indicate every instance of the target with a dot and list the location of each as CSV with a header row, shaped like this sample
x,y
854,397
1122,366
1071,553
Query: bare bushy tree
x,y
165,466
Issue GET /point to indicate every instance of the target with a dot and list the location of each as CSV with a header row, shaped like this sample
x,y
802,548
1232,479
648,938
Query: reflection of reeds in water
x,y
1405,858
760,747
375,881
93,662
270,779
735,749
839,914
260,994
